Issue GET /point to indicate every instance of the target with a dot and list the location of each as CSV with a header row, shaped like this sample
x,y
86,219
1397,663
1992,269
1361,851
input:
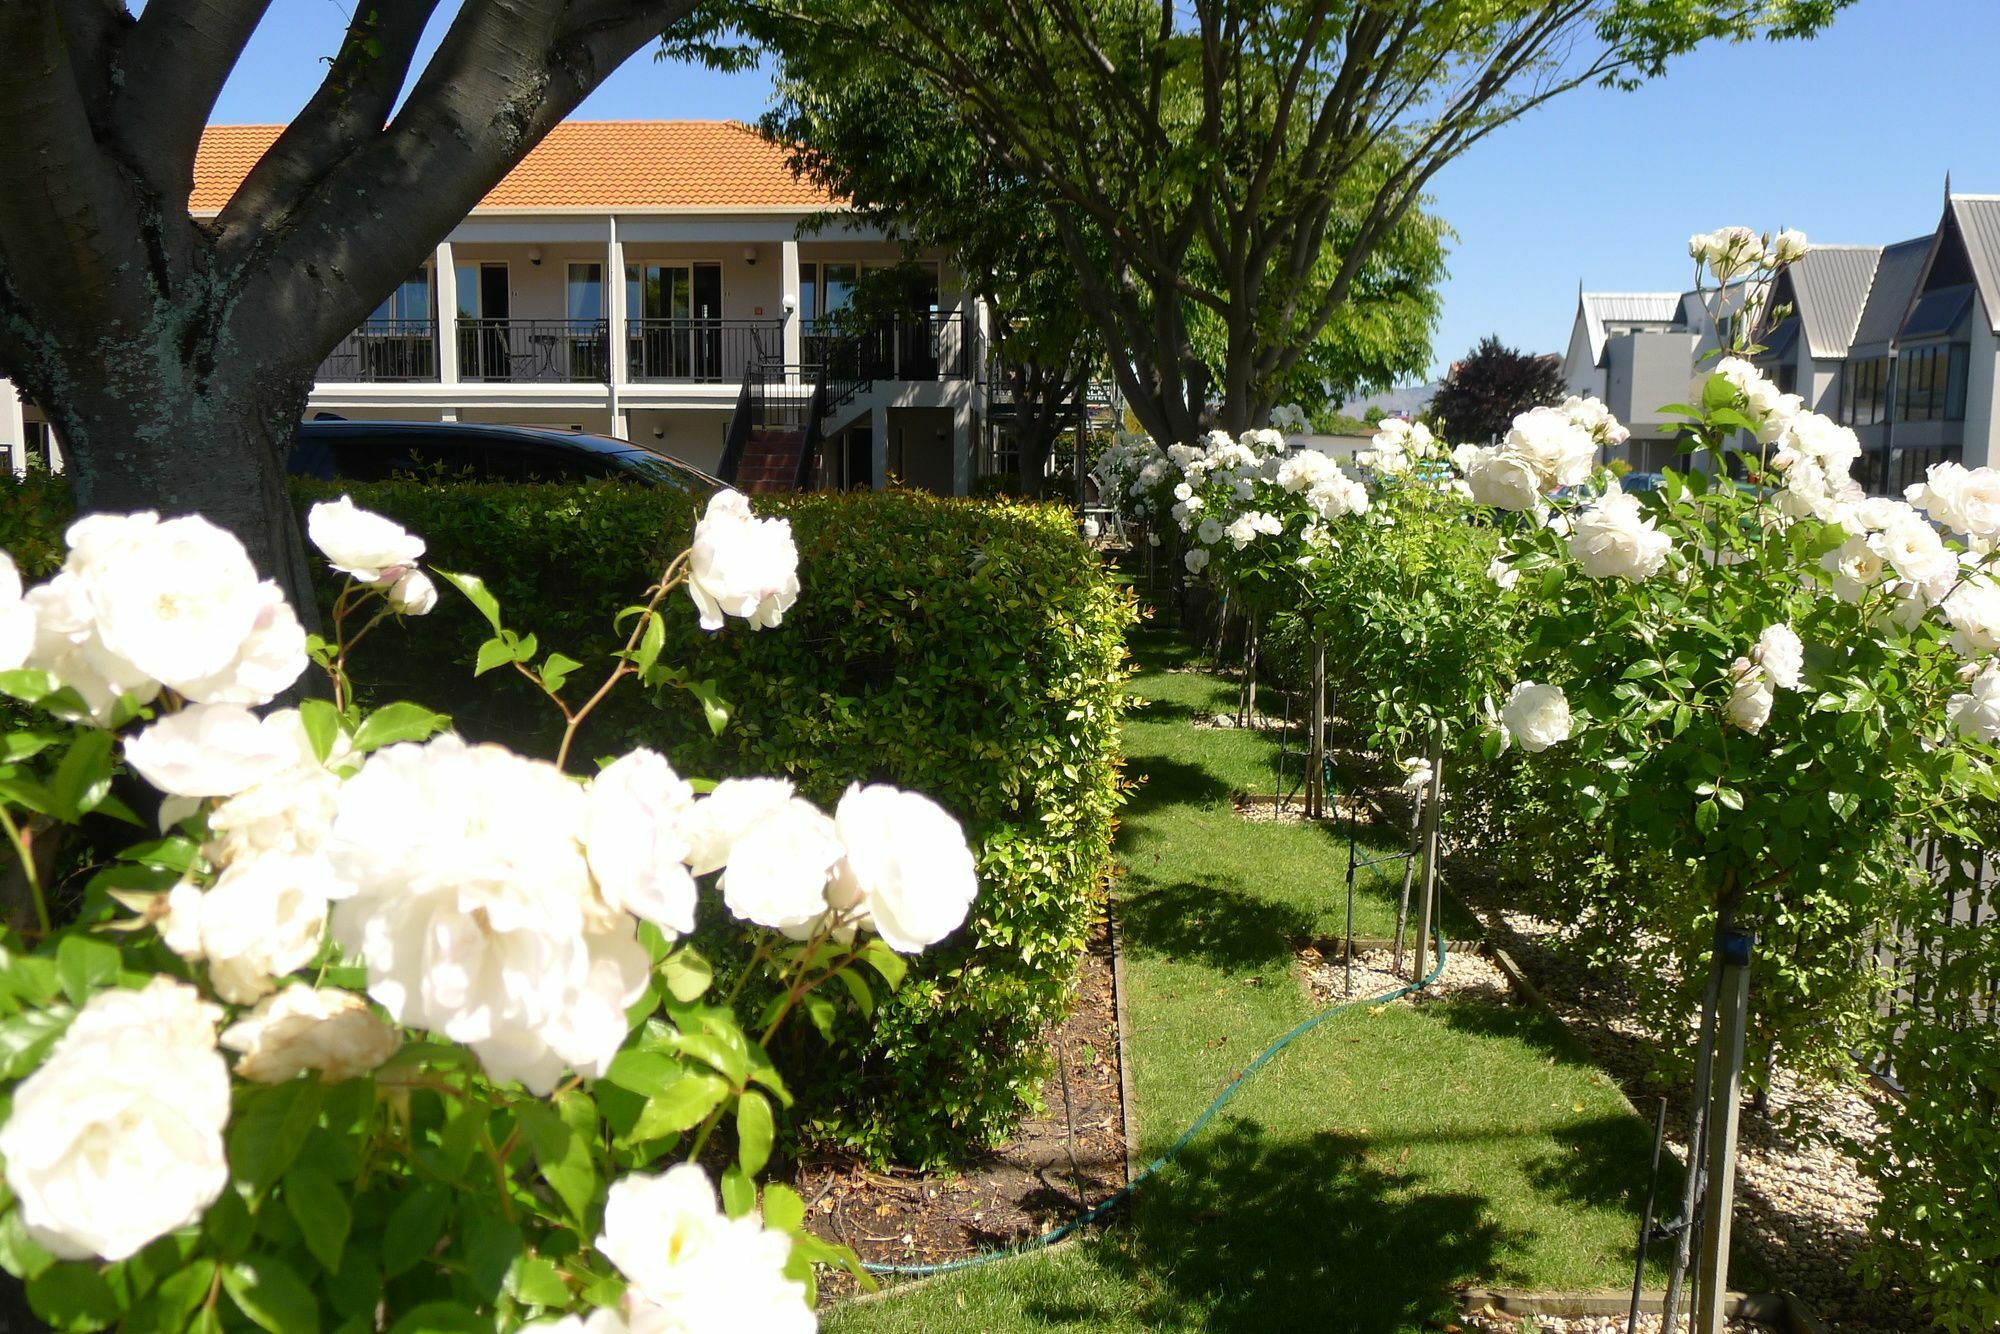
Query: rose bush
x,y
372,1025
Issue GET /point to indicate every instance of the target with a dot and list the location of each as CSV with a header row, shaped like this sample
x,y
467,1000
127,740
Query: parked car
x,y
372,451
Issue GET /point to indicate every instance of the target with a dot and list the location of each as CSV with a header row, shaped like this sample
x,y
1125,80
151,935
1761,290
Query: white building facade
x,y
650,280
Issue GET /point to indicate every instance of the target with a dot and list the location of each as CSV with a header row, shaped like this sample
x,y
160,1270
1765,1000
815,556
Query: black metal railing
x,y
781,397
740,425
383,350
1926,951
905,347
710,351
534,351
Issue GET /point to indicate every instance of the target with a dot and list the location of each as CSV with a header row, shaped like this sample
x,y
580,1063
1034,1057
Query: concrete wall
x,y
1580,370
1982,383
1646,372
692,435
921,448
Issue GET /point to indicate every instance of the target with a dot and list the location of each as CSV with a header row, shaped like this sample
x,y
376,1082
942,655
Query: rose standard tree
x,y
1774,686
381,1028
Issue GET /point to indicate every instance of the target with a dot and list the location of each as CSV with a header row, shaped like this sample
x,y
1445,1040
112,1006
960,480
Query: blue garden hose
x,y
1099,1210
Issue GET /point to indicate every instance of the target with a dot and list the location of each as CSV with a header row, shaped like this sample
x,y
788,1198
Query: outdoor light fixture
x,y
535,255
749,254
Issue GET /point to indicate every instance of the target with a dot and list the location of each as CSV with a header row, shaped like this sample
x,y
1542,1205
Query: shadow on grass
x,y
1522,1023
1604,1161
1172,783
1253,1233
1208,921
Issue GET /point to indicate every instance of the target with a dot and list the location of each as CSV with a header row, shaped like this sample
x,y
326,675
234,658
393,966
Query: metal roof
x,y
1830,287
1601,308
1889,295
1979,223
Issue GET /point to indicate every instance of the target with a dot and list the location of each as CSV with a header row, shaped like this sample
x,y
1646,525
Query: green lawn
x,y
1381,1161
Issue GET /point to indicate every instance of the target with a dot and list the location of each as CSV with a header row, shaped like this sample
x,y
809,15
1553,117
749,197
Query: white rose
x,y
300,1028
741,565
210,750
777,872
1976,713
1242,531
1782,655
1973,608
17,618
1503,574
705,1271
1916,553
715,823
1504,480
635,842
1548,441
1537,716
414,594
1196,560
359,543
604,1320
1966,500
175,599
117,1139
263,918
1856,567
287,815
1464,456
906,866
1152,539
1614,539
1750,696
1789,248
1209,532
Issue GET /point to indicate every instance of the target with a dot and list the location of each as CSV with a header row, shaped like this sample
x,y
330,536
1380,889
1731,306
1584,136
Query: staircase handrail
x,y
739,431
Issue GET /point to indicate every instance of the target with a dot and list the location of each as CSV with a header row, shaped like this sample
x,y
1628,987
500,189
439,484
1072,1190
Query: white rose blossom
x,y
330,1031
636,842
703,1270
1537,716
1782,655
264,917
413,595
1505,481
1209,532
905,866
1966,500
1751,696
714,823
1196,560
117,1138
361,544
1547,440
1614,539
17,618
1973,609
741,565
214,750
777,872
1976,711
1918,555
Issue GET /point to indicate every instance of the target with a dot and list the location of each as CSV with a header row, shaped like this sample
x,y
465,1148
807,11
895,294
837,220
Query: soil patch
x,y
1067,1158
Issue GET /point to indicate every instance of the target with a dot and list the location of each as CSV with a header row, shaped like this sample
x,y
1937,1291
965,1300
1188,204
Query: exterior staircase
x,y
770,460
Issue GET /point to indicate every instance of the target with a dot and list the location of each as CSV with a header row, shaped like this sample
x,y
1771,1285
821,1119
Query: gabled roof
x,y
1978,219
637,166
1830,285
1896,276
1602,308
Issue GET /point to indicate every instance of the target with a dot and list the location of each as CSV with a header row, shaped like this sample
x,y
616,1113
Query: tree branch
x,y
188,49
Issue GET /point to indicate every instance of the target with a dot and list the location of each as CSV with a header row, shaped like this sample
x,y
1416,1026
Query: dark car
x,y
374,451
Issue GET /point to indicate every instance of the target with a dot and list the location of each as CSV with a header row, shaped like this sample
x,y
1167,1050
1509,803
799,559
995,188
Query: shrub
x,y
970,651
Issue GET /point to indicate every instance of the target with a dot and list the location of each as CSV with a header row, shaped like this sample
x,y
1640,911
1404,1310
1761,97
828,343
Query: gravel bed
x,y
1264,811
1466,975
1501,1323
1803,1205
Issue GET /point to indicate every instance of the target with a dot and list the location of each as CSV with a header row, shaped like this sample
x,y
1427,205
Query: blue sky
x,y
1847,137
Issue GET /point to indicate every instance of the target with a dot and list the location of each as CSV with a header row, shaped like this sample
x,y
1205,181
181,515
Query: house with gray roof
x,y
1900,342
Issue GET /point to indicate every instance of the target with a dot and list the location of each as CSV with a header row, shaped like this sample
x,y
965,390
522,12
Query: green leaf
x,y
857,987
821,1012
713,706
556,669
85,966
682,1105
269,1127
493,653
170,1305
320,1209
73,1296
476,593
414,1226
563,1155
270,1294
687,975
401,721
443,1318
525,647
322,724
730,1061
20,1254
784,1211
83,777
885,961
739,1193
26,684
536,1281
1707,815
755,1129
651,640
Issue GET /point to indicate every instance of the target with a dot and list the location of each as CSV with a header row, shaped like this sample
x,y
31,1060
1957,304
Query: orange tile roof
x,y
635,165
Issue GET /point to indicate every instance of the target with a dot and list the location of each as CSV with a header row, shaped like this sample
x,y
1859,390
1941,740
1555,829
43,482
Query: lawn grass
x,y
1386,1158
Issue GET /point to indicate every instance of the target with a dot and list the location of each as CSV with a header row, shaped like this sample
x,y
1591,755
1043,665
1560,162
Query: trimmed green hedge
x,y
971,651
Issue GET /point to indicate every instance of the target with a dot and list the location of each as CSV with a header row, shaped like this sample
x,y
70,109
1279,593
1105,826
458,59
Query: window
x,y
1862,398
585,299
808,293
1930,383
1787,378
409,305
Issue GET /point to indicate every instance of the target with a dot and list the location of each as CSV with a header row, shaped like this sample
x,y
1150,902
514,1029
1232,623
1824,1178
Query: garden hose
x,y
1098,1211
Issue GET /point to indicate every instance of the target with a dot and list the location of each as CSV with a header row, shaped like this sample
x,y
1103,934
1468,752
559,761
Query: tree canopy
x,y
1482,394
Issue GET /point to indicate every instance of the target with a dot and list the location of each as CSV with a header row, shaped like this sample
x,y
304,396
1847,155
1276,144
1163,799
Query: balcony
x,y
534,351
907,347
700,351
383,351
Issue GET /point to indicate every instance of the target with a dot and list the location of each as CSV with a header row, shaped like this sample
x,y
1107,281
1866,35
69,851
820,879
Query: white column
x,y
13,428
788,301
878,449
57,464
445,275
961,445
617,349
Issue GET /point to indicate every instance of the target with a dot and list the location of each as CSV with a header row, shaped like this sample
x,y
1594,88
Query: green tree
x,y
174,354
1259,133
1482,394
